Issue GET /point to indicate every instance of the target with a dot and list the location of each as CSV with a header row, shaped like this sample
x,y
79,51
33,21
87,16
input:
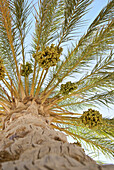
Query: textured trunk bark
x,y
29,143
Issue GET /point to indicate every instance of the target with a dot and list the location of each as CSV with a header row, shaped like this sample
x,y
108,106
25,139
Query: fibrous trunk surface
x,y
29,143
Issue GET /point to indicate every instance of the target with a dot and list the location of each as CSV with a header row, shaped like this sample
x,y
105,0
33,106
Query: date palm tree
x,y
37,100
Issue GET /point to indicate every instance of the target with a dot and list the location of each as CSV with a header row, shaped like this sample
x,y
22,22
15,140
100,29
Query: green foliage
x,y
20,10
73,12
89,61
108,126
48,20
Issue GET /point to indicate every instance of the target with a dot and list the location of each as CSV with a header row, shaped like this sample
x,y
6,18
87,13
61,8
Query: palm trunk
x,y
29,143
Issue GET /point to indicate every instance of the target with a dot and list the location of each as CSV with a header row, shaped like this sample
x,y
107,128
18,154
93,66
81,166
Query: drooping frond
x,y
108,126
94,138
96,100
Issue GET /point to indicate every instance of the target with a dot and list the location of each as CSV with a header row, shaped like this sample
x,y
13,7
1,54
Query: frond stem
x,y
38,86
37,76
33,85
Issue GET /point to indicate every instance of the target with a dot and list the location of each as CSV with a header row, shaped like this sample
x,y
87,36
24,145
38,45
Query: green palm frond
x,y
8,33
48,18
6,52
94,138
20,10
94,32
108,127
84,56
96,100
72,18
89,46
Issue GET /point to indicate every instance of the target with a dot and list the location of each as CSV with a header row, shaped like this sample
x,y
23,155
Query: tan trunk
x,y
29,143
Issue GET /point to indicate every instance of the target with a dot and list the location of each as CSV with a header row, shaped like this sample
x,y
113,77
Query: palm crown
x,y
43,75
